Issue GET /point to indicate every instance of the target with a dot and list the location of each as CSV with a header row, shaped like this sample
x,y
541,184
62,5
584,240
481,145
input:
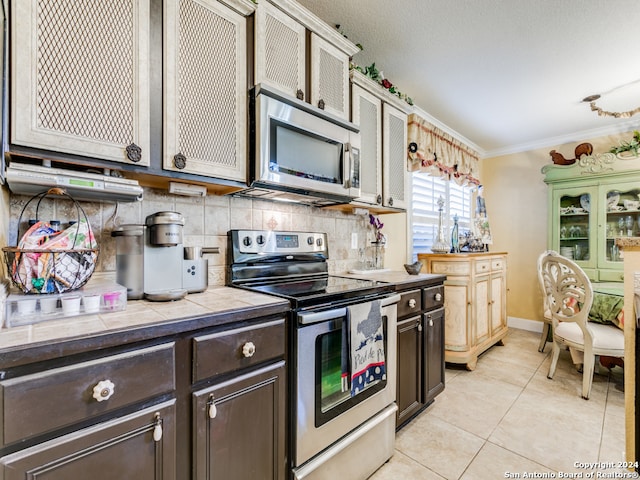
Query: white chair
x,y
546,314
569,295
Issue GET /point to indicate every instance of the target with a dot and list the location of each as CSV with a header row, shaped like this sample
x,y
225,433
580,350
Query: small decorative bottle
x,y
455,239
440,244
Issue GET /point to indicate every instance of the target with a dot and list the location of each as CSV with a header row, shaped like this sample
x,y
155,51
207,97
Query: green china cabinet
x,y
591,203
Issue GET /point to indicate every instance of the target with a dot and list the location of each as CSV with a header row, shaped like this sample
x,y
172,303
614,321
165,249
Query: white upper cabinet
x,y
367,114
395,177
279,51
80,77
283,58
382,119
329,77
205,88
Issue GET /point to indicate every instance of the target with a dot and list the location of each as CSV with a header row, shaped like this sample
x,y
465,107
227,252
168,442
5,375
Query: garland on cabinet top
x,y
376,75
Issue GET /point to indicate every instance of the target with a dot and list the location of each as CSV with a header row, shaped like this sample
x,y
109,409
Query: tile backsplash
x,y
207,221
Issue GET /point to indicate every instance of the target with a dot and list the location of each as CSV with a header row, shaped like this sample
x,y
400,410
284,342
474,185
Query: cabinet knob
x,y
103,390
430,322
390,201
248,349
321,104
300,94
179,161
379,199
438,297
412,303
419,326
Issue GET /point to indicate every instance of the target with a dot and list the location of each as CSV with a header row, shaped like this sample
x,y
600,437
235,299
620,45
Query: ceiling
x,y
503,75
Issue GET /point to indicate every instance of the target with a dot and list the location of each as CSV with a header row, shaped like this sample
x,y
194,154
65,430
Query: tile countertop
x,y
141,320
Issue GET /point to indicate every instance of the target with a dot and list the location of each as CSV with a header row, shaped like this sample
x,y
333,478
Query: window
x,y
424,210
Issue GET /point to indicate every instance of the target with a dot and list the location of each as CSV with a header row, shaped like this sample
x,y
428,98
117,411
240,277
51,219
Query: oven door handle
x,y
308,318
316,317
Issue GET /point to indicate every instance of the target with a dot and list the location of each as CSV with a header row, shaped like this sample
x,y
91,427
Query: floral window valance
x,y
435,152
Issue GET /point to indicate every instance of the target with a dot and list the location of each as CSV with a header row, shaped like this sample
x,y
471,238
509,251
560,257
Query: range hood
x,y
26,179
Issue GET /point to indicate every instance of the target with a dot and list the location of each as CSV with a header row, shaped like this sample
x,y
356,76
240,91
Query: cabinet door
x,y
409,388
573,229
205,105
619,216
481,309
139,446
279,50
239,427
329,77
394,157
367,113
433,354
498,304
80,77
457,307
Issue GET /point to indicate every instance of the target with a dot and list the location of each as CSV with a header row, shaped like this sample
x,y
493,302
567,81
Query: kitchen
x,y
211,217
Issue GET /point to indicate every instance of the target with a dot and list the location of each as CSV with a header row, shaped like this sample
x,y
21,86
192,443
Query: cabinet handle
x,y
212,410
419,326
179,161
157,429
390,201
300,94
430,322
134,152
412,303
379,199
321,104
438,297
103,390
248,349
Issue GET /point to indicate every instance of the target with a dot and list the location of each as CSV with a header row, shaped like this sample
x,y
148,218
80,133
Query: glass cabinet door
x,y
573,233
620,217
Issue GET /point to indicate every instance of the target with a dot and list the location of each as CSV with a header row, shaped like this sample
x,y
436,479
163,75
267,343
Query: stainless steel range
x,y
342,352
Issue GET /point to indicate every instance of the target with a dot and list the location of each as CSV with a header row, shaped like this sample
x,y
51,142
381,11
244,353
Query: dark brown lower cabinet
x,y
420,332
138,446
238,427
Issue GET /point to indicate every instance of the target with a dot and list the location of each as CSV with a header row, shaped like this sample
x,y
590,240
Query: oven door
x,y
326,408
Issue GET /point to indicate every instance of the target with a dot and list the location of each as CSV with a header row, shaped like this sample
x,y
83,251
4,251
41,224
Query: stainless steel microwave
x,y
301,153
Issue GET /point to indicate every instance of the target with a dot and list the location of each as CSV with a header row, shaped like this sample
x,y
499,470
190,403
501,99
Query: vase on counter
x,y
377,255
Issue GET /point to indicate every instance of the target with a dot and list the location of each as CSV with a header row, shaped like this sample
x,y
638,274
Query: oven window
x,y
304,154
334,393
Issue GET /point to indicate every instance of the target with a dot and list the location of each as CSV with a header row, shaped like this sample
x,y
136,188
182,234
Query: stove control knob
x,y
248,349
246,241
319,241
310,240
261,240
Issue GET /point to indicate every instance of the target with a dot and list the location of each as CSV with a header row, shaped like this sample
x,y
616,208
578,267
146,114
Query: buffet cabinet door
x,y
205,88
239,427
139,446
80,77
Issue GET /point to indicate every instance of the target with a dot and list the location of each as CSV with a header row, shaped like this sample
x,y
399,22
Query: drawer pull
x,y
157,429
248,349
212,411
438,297
103,390
412,303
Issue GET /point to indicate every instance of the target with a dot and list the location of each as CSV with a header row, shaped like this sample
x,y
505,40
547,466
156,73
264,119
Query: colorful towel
x,y
367,345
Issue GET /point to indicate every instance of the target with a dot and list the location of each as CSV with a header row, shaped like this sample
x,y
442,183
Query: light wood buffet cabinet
x,y
475,302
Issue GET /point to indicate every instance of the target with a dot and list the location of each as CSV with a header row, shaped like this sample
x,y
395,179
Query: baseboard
x,y
525,324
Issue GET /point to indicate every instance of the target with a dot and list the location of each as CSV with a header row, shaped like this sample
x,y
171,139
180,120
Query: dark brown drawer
x,y
410,303
433,297
237,348
42,402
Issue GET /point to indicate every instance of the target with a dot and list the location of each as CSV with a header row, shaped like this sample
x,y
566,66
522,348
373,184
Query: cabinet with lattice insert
x,y
205,87
80,77
382,119
300,55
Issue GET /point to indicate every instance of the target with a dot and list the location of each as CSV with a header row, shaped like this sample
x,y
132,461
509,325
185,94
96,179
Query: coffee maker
x,y
152,263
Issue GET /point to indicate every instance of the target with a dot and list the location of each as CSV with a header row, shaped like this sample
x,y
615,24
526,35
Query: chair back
x,y
567,291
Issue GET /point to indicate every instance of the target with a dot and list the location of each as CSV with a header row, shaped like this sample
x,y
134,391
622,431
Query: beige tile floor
x,y
507,419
